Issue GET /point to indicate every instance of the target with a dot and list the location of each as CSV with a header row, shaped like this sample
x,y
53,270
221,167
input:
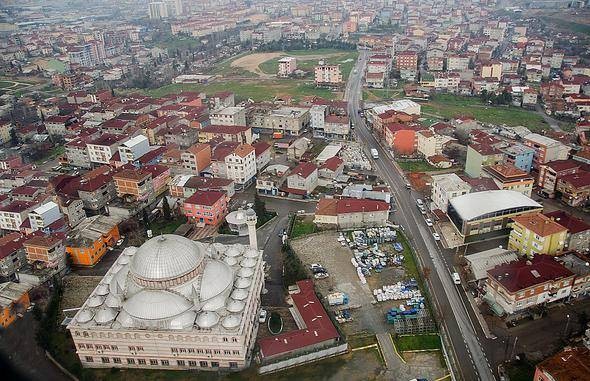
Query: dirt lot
x,y
251,62
77,289
323,248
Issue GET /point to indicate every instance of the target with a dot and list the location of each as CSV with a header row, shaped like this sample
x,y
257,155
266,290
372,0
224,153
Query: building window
x,y
191,350
153,362
117,360
233,364
192,363
217,351
89,359
203,364
214,364
165,362
141,361
180,362
131,361
114,348
174,350
236,352
105,360
226,352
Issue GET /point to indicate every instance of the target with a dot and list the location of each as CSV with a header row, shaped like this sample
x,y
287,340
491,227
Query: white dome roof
x,y
239,294
230,260
235,306
186,320
113,301
217,278
248,262
105,315
243,282
251,253
231,321
233,252
207,319
85,316
155,305
102,289
246,272
166,257
95,301
123,260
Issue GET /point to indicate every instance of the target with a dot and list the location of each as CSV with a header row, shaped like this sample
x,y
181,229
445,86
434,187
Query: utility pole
x,y
514,347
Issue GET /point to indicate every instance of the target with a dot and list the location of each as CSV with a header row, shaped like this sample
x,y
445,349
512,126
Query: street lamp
x,y
566,325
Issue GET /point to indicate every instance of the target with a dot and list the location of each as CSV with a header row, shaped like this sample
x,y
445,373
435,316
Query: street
x,y
451,308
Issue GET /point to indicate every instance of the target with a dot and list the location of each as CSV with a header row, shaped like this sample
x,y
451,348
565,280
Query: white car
x,y
262,316
428,222
315,266
436,236
119,242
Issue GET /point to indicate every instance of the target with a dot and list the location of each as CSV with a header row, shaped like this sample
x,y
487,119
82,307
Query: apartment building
x,y
550,173
480,155
134,148
574,189
536,233
429,143
328,75
458,63
14,214
507,176
206,207
102,149
229,116
77,154
527,283
520,156
446,187
241,165
134,185
196,158
546,149
241,134
46,251
41,217
287,120
406,60
349,213
287,65
87,243
303,179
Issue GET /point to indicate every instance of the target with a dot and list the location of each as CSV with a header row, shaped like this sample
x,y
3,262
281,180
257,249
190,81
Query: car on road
x,y
119,242
436,236
428,222
408,186
419,203
456,278
262,316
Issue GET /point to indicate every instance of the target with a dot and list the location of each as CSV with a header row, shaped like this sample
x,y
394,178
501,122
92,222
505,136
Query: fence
x,y
303,359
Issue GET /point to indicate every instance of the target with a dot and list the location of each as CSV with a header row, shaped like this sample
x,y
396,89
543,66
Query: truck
x,y
337,299
374,153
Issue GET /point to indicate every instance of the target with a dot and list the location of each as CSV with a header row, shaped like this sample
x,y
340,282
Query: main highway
x,y
470,360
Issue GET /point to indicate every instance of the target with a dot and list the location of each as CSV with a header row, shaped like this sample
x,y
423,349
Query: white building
x,y
14,214
287,65
445,188
328,74
158,10
430,143
318,118
45,215
103,148
229,116
241,165
173,304
134,148
303,179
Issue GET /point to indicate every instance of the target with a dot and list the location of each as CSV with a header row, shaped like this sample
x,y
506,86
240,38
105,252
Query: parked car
x,y
119,242
262,316
428,222
436,236
321,275
456,278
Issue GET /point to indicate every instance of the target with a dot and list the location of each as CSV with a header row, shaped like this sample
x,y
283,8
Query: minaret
x,y
251,220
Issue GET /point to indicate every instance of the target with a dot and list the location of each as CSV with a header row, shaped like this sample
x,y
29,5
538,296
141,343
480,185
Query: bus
x,y
374,153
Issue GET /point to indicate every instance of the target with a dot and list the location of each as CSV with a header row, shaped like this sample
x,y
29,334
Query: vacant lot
x,y
307,62
416,166
257,90
450,106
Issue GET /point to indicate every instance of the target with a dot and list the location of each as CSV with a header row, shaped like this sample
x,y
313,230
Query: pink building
x,y
208,207
160,177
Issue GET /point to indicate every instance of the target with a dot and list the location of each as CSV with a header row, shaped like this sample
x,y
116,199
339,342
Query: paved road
x,y
451,307
550,121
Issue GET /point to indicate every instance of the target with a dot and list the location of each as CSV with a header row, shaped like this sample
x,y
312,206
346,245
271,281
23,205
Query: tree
x,y
259,207
166,209
146,218
113,92
14,141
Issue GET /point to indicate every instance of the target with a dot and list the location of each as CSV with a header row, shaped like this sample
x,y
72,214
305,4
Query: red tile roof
x,y
220,129
525,273
318,326
208,198
577,180
304,169
10,243
573,224
539,224
18,206
332,163
353,205
260,147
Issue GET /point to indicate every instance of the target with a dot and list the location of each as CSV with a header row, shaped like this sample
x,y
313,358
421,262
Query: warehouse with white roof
x,y
488,214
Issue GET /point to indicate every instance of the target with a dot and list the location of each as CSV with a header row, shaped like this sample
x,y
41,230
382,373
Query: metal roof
x,y
473,205
156,304
166,257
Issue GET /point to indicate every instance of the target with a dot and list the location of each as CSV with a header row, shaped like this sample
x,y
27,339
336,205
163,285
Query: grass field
x,y
166,227
567,25
381,94
416,166
450,106
417,343
345,58
301,227
260,90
